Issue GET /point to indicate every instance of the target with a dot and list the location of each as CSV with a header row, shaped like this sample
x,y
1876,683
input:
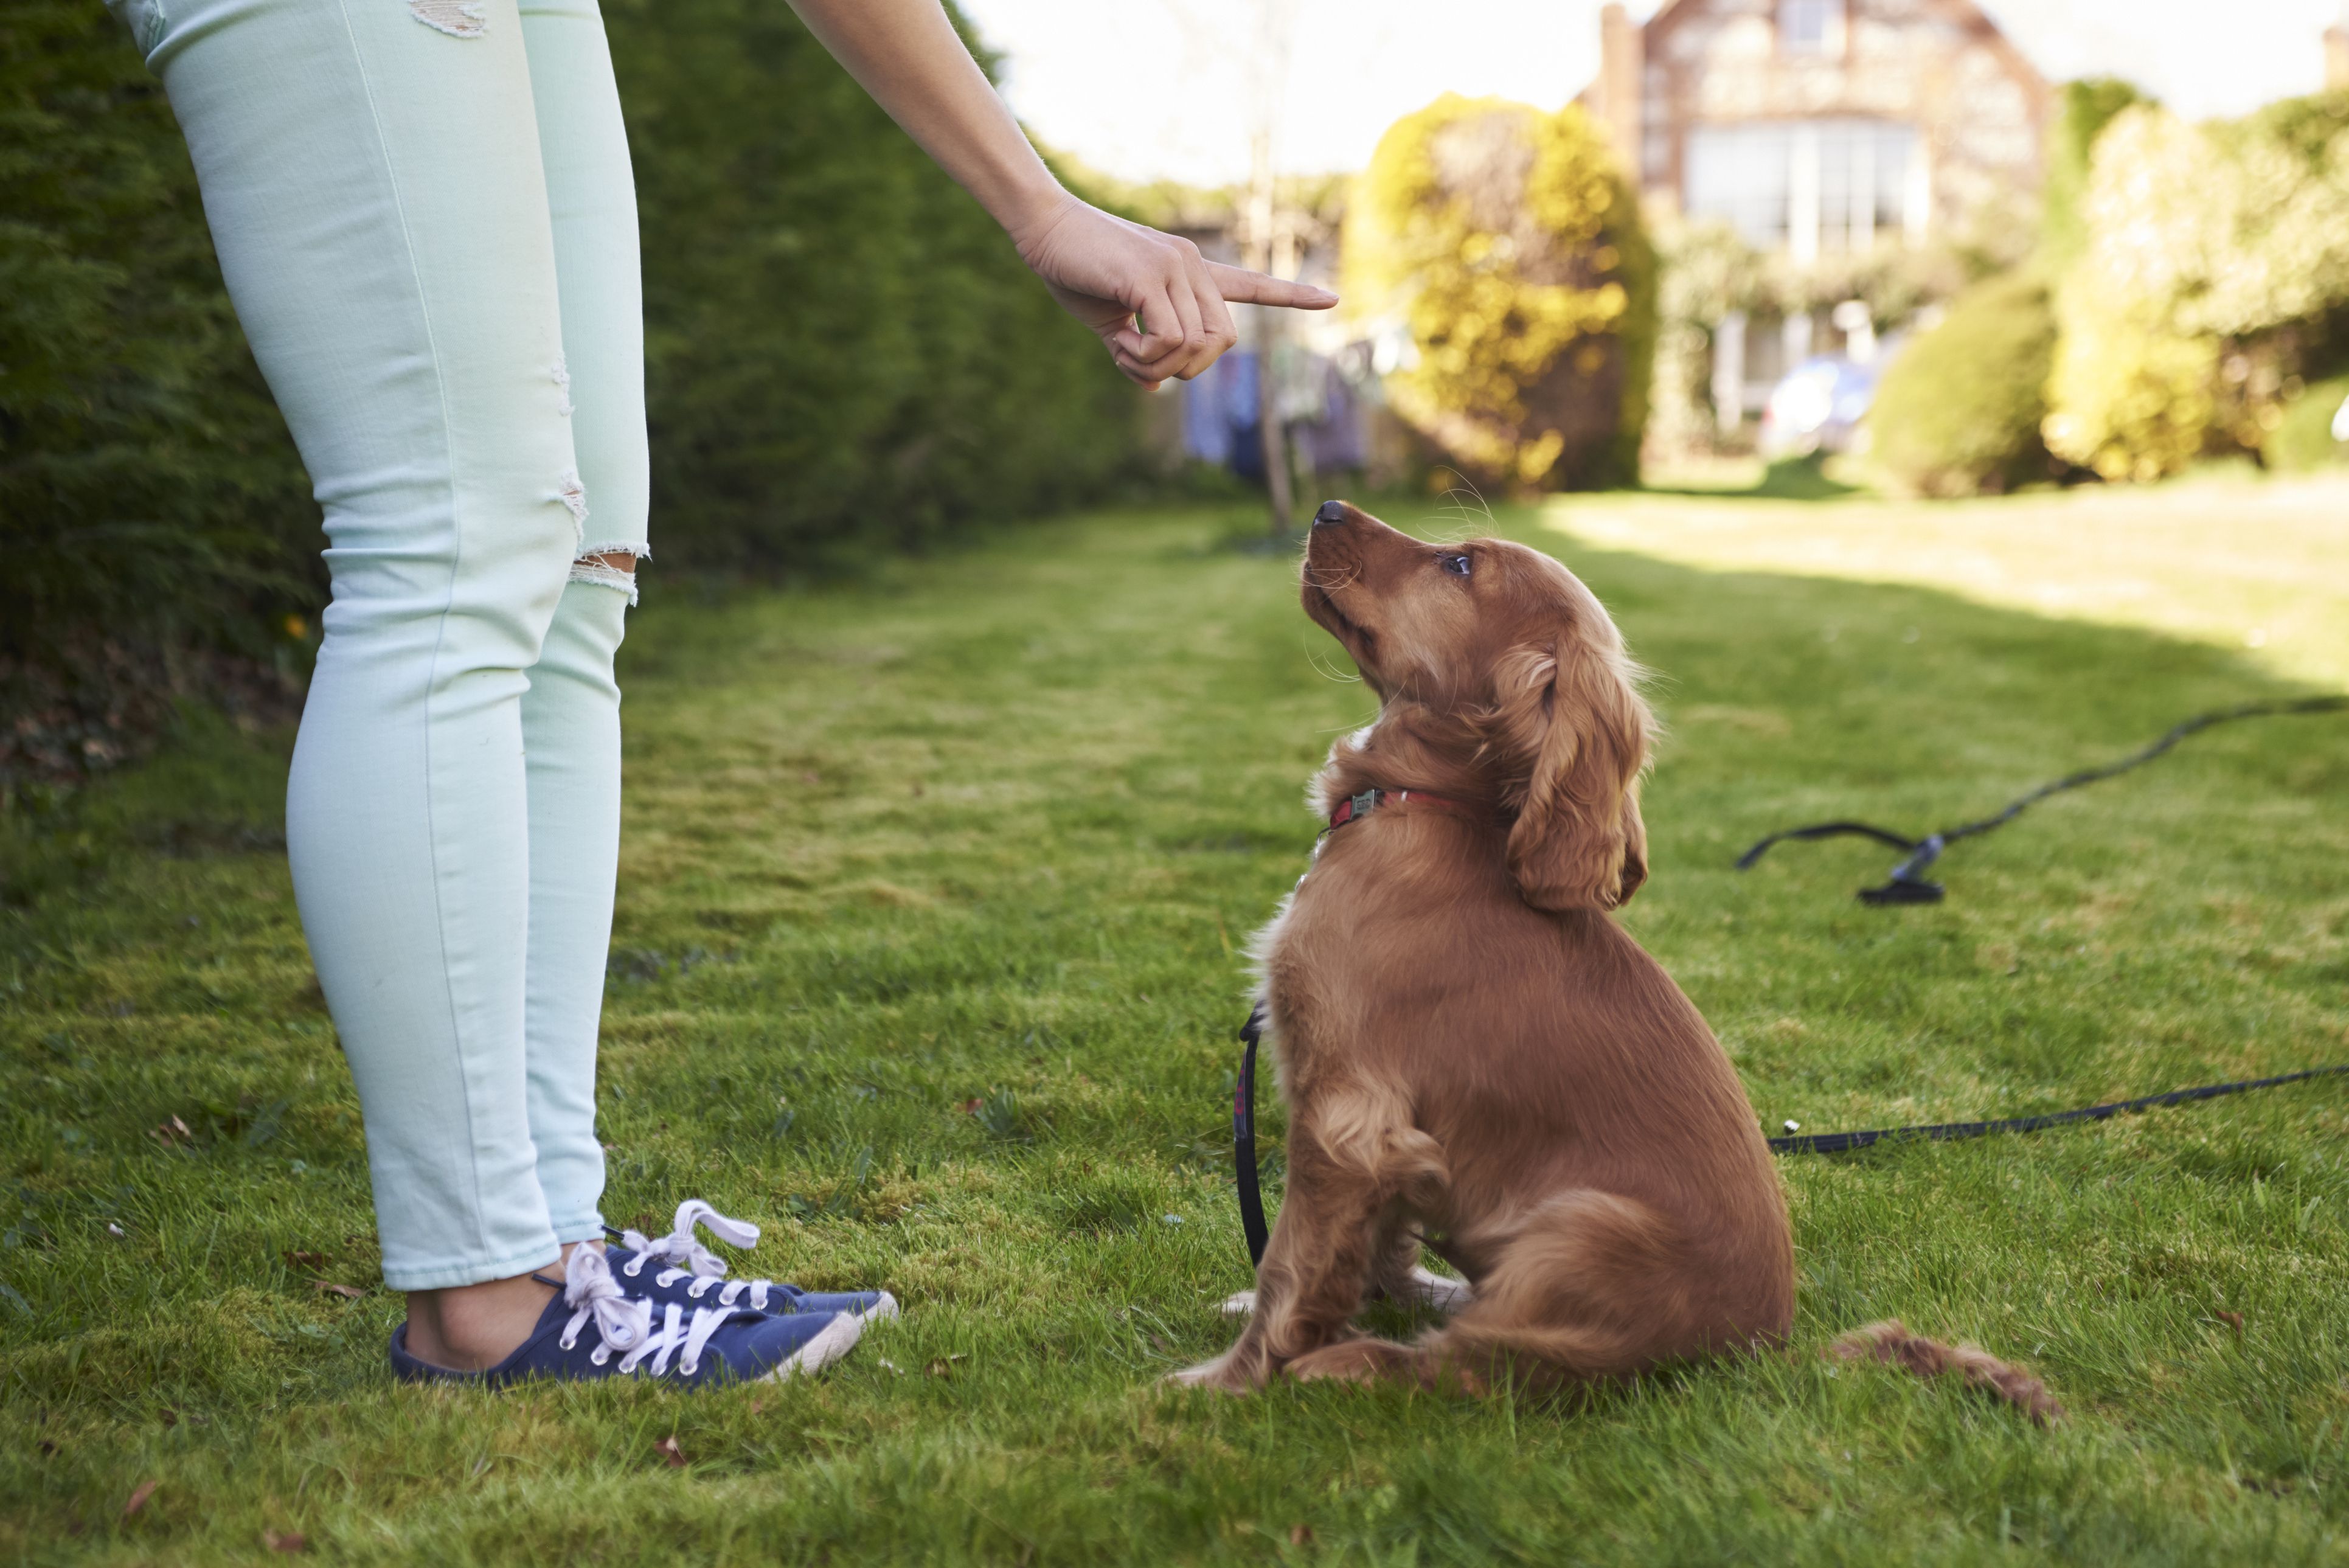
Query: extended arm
x,y
1105,271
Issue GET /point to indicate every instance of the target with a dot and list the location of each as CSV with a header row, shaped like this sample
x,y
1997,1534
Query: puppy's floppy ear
x,y
1571,716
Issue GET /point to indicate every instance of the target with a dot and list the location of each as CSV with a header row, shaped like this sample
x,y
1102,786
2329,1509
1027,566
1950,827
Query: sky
x,y
1149,89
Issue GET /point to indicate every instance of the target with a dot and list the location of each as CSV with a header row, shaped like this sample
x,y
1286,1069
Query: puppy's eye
x,y
1458,565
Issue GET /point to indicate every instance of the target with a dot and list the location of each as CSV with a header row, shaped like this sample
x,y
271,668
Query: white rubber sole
x,y
881,1311
834,1340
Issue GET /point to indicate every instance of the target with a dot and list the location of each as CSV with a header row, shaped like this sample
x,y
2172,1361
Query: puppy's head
x,y
1505,650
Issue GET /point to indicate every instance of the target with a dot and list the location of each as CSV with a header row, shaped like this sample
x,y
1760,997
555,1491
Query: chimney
x,y
1622,62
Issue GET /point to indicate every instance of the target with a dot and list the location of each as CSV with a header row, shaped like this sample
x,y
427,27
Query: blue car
x,y
1818,406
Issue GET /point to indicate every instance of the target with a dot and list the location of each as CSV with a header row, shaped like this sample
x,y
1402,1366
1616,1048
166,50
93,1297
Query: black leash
x,y
1907,884
1244,1138
1948,1131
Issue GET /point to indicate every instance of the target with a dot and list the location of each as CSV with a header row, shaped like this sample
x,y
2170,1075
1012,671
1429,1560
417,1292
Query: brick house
x,y
1816,129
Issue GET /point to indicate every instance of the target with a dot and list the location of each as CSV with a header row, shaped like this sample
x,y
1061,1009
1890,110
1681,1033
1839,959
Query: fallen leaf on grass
x,y
291,1541
970,1107
347,1292
945,1364
139,1496
172,1133
667,1447
1300,1535
297,1258
2233,1320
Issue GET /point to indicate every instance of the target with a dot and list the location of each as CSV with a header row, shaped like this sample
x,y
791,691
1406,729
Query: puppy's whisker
x,y
1451,497
1327,673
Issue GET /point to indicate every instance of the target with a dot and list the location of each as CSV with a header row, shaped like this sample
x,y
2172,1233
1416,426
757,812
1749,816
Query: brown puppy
x,y
1473,1053
1475,1056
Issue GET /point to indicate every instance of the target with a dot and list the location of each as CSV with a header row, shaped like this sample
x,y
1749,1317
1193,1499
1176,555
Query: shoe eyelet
x,y
569,1342
633,1267
600,1354
697,1289
688,1368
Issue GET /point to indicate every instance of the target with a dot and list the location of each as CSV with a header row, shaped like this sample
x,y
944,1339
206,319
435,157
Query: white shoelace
x,y
682,1250
625,1325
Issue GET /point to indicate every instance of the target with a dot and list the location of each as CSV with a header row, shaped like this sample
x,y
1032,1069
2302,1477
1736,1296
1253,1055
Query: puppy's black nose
x,y
1332,514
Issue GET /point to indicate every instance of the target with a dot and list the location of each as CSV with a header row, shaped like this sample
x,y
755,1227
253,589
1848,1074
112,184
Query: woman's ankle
x,y
470,1327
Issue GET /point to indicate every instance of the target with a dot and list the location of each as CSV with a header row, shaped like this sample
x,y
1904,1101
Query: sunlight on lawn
x,y
2258,566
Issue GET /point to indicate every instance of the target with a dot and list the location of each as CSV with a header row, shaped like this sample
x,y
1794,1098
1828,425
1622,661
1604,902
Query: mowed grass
x,y
926,958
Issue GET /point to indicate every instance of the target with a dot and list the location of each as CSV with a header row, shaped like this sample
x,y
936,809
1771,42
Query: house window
x,y
1809,26
1810,186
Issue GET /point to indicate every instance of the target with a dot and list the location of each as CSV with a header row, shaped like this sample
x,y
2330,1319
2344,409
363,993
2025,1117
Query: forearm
x,y
909,57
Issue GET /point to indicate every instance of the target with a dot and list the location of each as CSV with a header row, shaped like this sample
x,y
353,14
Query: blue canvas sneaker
x,y
677,1268
595,1329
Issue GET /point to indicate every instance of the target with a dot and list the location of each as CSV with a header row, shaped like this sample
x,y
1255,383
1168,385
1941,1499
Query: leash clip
x,y
1905,885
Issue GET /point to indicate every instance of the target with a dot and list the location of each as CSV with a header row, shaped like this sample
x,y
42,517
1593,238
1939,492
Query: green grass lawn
x,y
992,828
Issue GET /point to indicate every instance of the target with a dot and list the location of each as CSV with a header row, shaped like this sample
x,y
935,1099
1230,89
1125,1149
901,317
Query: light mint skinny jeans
x,y
426,217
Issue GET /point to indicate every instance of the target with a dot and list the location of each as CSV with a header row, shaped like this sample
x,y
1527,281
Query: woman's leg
x,y
371,171
570,715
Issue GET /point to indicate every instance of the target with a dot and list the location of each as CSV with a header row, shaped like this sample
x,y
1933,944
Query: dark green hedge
x,y
843,352
146,486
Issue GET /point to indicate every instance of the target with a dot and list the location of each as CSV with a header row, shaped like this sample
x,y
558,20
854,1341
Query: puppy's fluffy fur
x,y
1475,1057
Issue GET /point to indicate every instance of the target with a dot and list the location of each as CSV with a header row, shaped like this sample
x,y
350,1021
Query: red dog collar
x,y
1355,806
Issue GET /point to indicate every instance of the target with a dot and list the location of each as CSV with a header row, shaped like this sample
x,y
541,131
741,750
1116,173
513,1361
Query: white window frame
x,y
1833,30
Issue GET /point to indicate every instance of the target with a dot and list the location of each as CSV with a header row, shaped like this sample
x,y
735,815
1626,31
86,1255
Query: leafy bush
x,y
2215,256
843,351
1506,240
1958,412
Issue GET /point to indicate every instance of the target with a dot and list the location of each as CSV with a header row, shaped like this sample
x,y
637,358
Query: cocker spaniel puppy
x,y
1477,1057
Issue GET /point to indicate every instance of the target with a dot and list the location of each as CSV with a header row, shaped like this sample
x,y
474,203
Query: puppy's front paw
x,y
1222,1374
1240,1304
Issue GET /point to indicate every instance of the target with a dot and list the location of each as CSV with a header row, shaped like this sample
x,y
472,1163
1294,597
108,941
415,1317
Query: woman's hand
x,y
1105,271
1109,274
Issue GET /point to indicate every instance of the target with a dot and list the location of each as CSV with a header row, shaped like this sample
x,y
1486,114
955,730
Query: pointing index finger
x,y
1244,287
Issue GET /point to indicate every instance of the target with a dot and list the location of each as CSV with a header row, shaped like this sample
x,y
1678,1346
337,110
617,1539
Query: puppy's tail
x,y
1891,1341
